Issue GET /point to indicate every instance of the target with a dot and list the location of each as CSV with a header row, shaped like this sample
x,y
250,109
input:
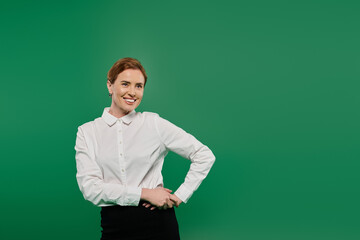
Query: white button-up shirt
x,y
117,157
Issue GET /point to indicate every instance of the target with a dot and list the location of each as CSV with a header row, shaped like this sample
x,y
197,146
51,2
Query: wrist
x,y
145,192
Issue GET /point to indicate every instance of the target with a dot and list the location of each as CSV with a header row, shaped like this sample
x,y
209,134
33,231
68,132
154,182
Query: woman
x,y
119,157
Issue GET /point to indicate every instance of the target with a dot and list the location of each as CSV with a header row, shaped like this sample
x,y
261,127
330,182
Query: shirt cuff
x,y
183,193
131,198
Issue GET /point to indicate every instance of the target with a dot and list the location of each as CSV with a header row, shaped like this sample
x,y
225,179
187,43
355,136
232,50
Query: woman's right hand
x,y
158,197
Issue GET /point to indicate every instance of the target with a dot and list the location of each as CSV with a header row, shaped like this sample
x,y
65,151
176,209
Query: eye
x,y
139,86
124,84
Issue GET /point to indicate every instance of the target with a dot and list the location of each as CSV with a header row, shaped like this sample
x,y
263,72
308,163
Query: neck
x,y
116,112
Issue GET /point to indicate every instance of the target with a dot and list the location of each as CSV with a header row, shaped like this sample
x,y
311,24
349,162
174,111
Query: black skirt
x,y
138,222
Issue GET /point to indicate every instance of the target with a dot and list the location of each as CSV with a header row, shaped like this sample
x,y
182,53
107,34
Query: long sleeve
x,y
90,179
177,140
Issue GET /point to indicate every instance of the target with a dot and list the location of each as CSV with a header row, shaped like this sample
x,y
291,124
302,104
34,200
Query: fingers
x,y
166,189
169,203
147,205
160,198
174,200
152,207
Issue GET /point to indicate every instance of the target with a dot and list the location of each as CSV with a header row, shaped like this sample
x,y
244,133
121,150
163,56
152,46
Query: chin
x,y
128,110
134,107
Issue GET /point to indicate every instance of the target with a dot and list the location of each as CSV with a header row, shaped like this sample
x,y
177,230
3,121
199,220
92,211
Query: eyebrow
x,y
129,82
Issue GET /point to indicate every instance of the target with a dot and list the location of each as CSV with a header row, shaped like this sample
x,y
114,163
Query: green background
x,y
272,87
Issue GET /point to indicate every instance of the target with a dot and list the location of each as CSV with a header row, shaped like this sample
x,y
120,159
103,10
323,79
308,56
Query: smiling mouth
x,y
129,100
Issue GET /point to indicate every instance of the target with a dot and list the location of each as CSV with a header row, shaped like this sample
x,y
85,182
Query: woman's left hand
x,y
175,199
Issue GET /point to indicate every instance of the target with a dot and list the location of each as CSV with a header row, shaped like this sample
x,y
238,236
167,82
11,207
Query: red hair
x,y
123,64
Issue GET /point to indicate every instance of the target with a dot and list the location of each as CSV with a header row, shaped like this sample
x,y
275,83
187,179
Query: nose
x,y
132,92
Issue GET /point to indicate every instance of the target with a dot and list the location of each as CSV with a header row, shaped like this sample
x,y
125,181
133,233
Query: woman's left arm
x,y
177,140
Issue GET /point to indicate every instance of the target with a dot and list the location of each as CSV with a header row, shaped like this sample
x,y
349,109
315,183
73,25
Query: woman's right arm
x,y
90,179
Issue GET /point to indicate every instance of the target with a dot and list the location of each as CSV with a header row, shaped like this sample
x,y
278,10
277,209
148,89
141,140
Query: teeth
x,y
129,100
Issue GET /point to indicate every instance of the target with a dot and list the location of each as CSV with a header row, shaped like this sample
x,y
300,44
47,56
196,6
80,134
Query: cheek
x,y
120,92
140,94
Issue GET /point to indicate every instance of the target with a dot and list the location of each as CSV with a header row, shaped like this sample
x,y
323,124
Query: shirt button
x,y
122,170
120,154
120,142
119,130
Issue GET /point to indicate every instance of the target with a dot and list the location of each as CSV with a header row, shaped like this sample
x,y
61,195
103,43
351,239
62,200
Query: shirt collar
x,y
111,119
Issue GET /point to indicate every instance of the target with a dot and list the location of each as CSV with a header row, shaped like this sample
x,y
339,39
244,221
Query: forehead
x,y
131,75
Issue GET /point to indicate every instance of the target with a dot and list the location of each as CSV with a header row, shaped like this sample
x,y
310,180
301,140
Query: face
x,y
127,91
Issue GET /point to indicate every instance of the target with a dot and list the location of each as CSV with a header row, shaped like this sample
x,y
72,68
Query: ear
x,y
109,86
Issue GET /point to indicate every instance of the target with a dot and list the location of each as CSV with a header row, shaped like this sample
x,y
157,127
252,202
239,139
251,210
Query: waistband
x,y
141,202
